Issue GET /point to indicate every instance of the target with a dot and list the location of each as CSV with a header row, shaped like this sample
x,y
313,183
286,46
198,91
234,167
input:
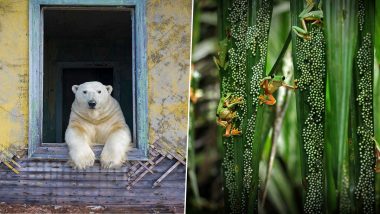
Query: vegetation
x,y
314,150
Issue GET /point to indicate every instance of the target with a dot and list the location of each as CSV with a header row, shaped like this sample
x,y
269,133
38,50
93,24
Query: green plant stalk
x,y
340,30
377,96
296,6
191,142
362,118
223,24
194,85
246,25
310,69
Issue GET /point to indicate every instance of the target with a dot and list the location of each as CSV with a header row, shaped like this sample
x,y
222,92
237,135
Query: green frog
x,y
307,15
270,85
226,113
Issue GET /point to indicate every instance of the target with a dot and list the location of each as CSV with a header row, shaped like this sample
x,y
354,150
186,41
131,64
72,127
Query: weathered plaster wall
x,y
169,34
168,29
13,73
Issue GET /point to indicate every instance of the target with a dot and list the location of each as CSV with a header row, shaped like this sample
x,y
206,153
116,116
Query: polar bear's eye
x,y
84,92
99,92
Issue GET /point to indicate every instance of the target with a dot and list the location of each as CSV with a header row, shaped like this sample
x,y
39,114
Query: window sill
x,y
59,151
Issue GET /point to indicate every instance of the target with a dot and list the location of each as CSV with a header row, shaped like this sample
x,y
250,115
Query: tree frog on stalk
x,y
270,85
221,61
226,113
307,15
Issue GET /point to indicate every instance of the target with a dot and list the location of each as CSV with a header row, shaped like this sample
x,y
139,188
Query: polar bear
x,y
96,118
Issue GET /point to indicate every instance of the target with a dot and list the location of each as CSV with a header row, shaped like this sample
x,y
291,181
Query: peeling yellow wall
x,y
169,33
13,73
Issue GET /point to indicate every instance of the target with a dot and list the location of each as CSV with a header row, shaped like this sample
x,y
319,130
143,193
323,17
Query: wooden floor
x,y
56,183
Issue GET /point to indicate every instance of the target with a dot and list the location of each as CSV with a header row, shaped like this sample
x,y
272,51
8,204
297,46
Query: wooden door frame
x,y
37,149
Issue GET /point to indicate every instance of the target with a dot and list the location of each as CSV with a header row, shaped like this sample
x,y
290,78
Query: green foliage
x,y
247,26
316,152
362,111
341,31
310,70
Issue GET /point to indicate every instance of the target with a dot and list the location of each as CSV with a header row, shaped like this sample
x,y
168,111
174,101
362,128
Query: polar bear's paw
x,y
109,161
83,159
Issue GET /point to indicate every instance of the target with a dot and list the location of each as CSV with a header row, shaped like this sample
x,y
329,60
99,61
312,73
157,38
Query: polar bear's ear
x,y
75,88
109,89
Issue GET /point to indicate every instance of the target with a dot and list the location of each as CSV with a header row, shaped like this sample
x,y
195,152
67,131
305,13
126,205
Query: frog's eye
x,y
283,77
272,76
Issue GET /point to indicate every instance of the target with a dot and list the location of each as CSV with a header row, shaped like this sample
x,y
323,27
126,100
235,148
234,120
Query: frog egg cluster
x,y
365,188
248,153
257,34
311,61
361,14
228,165
345,202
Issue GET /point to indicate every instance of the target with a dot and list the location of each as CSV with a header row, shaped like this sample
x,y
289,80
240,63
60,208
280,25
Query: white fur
x,y
105,124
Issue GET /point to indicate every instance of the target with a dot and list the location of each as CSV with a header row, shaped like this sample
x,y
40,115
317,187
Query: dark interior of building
x,y
80,45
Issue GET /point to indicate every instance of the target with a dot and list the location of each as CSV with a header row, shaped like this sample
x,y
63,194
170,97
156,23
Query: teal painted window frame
x,y
59,151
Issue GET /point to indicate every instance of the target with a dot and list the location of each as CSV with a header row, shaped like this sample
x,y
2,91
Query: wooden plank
x,y
166,174
144,173
91,200
93,170
84,177
169,154
143,165
176,182
35,106
140,169
91,192
60,152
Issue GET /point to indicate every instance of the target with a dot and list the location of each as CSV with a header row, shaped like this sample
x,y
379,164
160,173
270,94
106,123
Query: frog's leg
x,y
234,102
270,100
289,86
235,131
264,82
228,130
262,99
267,99
221,122
301,32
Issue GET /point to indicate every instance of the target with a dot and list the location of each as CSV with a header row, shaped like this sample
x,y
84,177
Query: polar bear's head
x,y
92,95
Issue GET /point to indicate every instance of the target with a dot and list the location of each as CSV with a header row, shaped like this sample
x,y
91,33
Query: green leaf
x,y
309,57
246,24
362,111
340,29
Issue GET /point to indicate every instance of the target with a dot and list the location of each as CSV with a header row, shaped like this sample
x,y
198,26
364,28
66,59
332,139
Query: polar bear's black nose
x,y
92,103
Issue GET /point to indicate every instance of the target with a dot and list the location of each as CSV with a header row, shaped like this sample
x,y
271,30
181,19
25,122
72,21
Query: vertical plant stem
x,y
362,120
340,29
193,181
310,70
246,25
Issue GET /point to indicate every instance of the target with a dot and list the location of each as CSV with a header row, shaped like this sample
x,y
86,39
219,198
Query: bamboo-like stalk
x,y
310,69
340,28
362,111
245,24
191,163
